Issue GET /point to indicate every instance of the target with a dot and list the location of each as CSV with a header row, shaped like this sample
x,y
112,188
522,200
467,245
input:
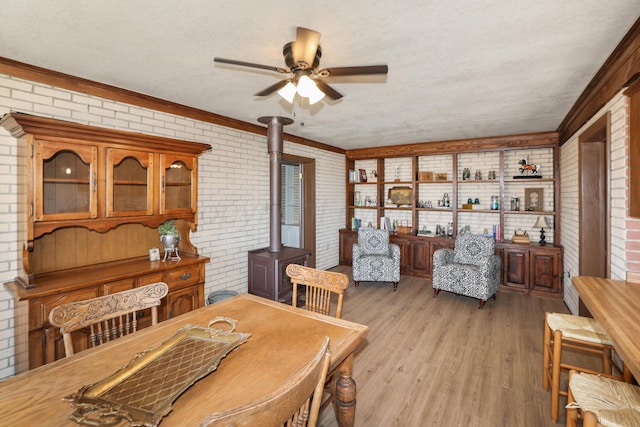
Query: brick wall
x,y
233,182
625,231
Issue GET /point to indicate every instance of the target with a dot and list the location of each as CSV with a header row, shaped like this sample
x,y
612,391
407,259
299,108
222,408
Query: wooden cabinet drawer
x,y
40,308
119,286
184,276
150,278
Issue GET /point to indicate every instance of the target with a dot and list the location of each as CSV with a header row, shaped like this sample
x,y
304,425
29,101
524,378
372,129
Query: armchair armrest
x,y
442,257
490,265
394,252
357,251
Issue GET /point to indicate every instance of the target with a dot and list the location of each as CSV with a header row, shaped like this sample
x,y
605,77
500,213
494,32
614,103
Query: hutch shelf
x,y
91,199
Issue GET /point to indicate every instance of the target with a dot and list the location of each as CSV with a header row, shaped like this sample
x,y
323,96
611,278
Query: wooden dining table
x,y
616,305
282,339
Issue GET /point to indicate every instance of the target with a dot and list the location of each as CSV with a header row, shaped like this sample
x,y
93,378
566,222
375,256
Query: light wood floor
x,y
442,362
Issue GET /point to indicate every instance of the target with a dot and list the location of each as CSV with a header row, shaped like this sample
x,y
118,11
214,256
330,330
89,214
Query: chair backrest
x,y
296,402
320,285
109,316
373,241
470,248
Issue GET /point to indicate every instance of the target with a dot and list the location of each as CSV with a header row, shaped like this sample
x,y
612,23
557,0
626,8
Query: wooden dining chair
x,y
579,334
319,286
601,400
108,317
296,402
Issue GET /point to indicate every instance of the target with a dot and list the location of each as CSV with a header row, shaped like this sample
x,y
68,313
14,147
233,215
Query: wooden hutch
x,y
426,171
90,200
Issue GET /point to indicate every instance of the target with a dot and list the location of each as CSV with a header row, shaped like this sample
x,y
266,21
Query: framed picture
x,y
441,177
425,176
154,254
363,175
401,196
533,199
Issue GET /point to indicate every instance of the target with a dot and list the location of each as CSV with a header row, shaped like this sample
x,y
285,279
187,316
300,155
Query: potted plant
x,y
170,237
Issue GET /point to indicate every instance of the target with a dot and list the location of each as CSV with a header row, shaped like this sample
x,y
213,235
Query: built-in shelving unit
x,y
435,174
428,175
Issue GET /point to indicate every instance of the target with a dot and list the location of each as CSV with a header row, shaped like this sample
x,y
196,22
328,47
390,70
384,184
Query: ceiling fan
x,y
302,58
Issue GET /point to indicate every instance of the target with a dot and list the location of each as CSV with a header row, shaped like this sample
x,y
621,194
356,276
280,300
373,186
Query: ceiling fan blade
x,y
273,88
251,64
305,47
328,90
353,71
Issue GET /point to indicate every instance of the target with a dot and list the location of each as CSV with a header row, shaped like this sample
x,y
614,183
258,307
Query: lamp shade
x,y
541,222
288,92
306,86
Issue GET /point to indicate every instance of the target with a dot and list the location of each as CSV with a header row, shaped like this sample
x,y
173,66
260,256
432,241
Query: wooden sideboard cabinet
x,y
527,268
532,269
186,293
90,202
98,179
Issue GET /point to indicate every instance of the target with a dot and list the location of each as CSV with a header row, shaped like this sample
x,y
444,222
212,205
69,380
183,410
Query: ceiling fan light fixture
x,y
315,96
288,92
302,58
306,86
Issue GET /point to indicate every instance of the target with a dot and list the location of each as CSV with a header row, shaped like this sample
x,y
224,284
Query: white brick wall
x,y
233,198
617,194
619,186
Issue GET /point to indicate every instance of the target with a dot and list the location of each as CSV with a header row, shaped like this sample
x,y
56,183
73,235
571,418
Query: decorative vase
x,y
170,243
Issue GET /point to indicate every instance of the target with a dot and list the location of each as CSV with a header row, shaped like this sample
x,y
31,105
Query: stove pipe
x,y
275,144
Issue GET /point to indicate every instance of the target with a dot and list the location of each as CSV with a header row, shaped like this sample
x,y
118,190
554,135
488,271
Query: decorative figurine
x,y
466,174
525,167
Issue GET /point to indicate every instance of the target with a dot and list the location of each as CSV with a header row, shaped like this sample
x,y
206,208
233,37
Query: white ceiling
x,y
457,69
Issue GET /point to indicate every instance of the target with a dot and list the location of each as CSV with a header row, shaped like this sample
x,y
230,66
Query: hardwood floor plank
x,y
443,362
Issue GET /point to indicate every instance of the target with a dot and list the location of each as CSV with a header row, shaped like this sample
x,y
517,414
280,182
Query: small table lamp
x,y
541,223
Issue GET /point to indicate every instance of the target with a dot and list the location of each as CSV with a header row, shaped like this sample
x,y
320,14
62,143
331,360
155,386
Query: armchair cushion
x,y
473,249
373,241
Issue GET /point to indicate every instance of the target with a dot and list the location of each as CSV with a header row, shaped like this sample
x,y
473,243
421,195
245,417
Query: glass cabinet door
x,y
65,181
177,192
129,183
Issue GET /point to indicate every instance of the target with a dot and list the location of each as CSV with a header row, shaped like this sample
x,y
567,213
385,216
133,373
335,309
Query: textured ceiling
x,y
457,69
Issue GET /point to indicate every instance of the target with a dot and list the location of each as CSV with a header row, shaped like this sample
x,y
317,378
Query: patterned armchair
x,y
375,259
471,269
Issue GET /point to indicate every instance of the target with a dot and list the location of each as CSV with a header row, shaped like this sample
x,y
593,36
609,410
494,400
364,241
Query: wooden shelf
x,y
434,182
494,154
528,213
479,181
83,181
529,180
491,211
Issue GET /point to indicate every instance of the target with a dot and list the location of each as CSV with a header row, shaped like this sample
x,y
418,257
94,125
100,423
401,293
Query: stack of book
x,y
497,232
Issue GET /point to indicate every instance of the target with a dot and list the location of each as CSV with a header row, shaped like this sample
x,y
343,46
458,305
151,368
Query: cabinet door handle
x,y
185,276
95,182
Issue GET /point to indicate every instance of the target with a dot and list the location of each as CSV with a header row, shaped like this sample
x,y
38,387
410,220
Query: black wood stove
x,y
267,275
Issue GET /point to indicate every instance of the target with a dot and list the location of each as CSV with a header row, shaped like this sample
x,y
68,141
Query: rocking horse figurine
x,y
526,167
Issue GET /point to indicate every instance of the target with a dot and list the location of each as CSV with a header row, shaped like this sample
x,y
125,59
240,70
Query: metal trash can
x,y
220,295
